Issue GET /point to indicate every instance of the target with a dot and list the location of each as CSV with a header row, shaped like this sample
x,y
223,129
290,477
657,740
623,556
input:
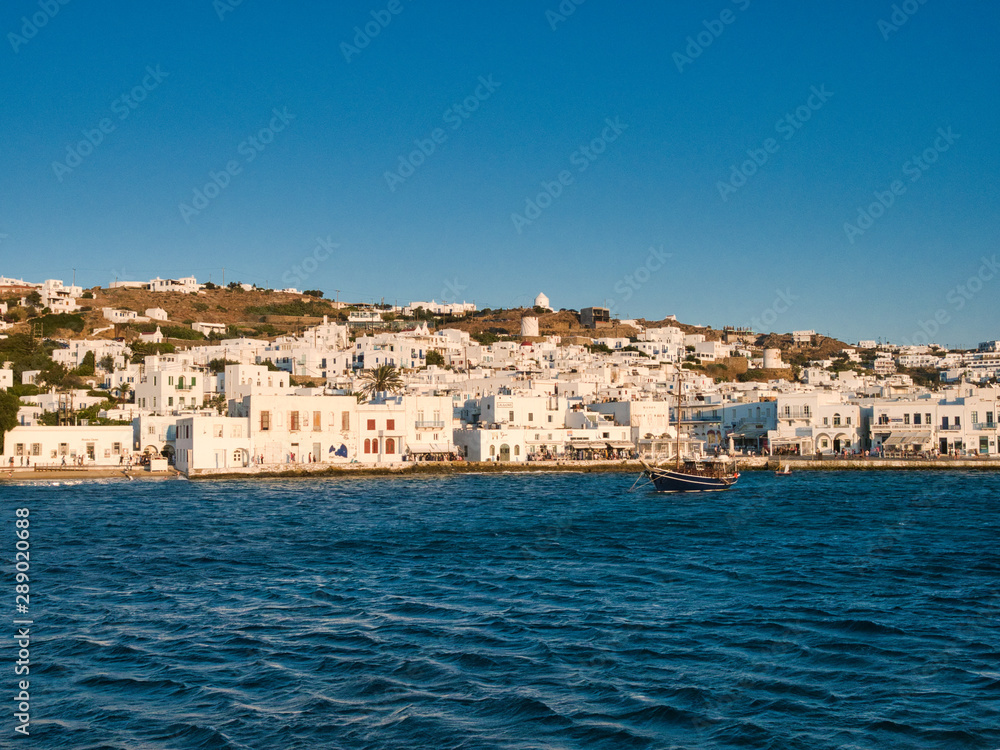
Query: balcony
x,y
984,425
430,425
950,428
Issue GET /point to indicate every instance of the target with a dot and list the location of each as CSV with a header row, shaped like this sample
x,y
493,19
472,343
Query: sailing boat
x,y
690,475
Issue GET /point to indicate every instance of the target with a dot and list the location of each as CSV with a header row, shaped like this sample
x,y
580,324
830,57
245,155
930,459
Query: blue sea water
x,y
515,611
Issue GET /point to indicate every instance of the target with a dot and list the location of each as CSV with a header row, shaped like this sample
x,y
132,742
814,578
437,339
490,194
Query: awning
x,y
619,444
430,449
587,445
894,441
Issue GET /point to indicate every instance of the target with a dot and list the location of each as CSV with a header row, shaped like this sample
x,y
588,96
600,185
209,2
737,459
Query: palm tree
x,y
122,391
382,378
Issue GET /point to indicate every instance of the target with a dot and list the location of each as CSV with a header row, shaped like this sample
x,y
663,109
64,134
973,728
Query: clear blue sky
x,y
446,230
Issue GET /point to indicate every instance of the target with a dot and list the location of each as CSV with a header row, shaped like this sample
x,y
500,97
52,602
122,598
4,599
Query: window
x,y
345,420
974,416
368,445
836,420
236,431
265,421
928,420
64,449
958,422
152,429
317,421
826,421
116,448
550,417
192,380
217,430
517,450
989,417
170,380
824,443
19,449
493,450
36,449
848,421
371,424
390,445
906,419
788,411
531,417
293,421
170,400
805,410
916,418
944,423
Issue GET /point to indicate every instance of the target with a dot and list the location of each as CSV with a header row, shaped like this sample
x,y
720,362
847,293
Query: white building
x,y
817,422
184,285
208,328
212,442
162,391
41,445
120,316
58,297
440,308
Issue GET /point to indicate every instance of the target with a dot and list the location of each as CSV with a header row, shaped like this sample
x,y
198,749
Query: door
x,y
984,445
943,446
505,452
836,445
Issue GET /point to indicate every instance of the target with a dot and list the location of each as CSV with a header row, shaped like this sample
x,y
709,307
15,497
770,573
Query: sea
x,y
523,611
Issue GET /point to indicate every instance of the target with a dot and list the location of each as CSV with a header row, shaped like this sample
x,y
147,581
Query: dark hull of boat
x,y
665,480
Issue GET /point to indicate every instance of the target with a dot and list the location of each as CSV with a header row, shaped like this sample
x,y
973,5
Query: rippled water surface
x,y
828,610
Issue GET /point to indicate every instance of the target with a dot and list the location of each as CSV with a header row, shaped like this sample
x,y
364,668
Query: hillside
x,y
251,313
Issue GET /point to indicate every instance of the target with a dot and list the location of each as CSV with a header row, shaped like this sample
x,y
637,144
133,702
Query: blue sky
x,y
647,216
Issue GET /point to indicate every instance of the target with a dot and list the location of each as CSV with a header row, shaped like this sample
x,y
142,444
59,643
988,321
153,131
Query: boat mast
x,y
677,450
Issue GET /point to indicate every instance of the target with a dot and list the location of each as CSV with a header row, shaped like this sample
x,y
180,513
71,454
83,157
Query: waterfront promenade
x,y
743,463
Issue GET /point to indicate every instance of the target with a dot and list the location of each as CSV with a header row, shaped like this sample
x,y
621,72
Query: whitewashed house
x,y
42,445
